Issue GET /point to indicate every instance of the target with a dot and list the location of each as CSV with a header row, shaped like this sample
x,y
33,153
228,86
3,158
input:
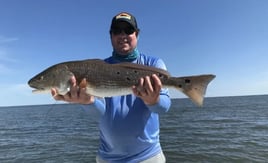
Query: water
x,y
226,129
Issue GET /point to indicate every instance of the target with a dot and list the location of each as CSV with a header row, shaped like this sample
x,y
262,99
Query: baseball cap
x,y
125,17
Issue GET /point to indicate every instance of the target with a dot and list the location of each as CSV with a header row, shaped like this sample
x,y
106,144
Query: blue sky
x,y
228,38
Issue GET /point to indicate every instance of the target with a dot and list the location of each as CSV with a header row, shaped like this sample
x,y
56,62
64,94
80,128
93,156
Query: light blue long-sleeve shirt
x,y
129,129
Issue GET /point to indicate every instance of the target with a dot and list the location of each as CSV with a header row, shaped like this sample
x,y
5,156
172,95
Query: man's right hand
x,y
75,95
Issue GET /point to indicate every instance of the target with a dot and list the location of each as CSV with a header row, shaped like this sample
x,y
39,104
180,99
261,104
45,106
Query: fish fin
x,y
194,87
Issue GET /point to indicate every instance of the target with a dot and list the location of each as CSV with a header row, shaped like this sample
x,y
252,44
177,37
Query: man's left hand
x,y
148,90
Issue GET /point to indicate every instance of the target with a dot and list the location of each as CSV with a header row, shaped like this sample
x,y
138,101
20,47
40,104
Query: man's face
x,y
123,38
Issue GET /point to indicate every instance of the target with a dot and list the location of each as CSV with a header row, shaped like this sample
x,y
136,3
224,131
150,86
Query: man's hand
x,y
148,91
75,95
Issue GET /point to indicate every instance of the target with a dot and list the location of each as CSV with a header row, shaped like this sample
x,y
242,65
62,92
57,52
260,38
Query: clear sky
x,y
228,38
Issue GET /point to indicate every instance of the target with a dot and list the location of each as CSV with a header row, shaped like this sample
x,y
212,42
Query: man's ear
x,y
137,34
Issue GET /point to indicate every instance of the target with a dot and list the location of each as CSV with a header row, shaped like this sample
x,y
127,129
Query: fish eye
x,y
41,78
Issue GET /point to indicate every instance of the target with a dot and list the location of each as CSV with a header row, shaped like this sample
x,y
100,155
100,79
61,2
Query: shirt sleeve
x,y
164,102
98,104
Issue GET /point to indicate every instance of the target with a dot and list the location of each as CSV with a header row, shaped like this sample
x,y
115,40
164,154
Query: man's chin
x,y
124,51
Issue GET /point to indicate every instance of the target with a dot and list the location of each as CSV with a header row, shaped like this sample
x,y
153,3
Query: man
x,y
129,126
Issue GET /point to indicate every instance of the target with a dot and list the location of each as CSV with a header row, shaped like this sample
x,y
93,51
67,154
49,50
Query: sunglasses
x,y
117,31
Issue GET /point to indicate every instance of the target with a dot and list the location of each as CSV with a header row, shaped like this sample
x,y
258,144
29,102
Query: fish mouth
x,y
40,90
36,88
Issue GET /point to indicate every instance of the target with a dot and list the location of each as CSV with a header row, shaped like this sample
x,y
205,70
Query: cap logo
x,y
123,16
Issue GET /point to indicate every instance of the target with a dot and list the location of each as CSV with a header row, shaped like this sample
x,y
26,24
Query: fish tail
x,y
193,86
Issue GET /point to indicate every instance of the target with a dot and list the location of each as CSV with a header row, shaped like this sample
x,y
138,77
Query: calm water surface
x,y
226,129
